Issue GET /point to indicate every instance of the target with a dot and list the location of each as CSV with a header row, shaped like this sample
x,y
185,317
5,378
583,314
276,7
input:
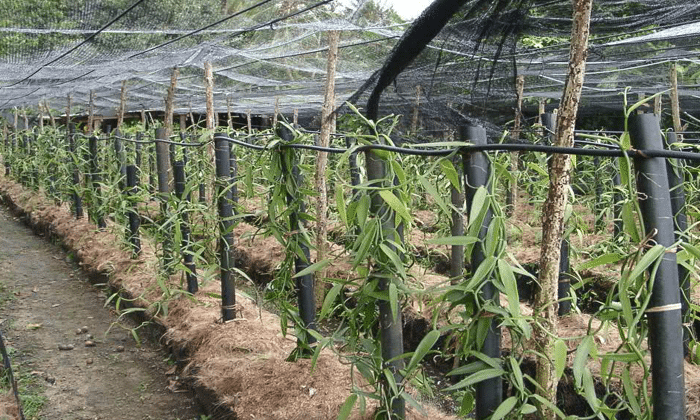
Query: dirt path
x,y
50,300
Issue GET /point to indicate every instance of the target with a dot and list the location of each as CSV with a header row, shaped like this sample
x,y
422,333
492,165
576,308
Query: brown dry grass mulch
x,y
241,362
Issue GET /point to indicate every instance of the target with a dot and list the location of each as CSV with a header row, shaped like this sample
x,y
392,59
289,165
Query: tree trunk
x,y
559,176
327,127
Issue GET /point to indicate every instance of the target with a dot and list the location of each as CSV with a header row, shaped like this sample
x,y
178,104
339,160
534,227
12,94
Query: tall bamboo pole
x,y
546,307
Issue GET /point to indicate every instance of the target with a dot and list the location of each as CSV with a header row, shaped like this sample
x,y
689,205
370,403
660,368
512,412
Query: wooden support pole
x,y
229,121
211,123
675,103
296,117
277,110
68,105
26,118
657,105
414,119
122,105
327,127
183,123
545,306
169,101
209,84
250,123
40,116
51,117
90,112
512,197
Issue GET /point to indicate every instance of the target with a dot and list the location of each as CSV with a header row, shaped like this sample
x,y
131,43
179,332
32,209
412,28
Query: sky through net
x,y
271,54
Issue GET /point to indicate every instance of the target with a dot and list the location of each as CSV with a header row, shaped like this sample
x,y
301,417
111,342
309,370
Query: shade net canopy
x,y
270,55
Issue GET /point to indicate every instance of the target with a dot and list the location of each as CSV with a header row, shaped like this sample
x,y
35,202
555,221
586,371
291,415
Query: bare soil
x,y
52,304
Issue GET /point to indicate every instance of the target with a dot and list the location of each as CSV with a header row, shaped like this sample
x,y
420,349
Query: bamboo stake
x,y
327,127
546,306
122,105
296,117
26,118
16,120
250,123
169,103
143,118
512,198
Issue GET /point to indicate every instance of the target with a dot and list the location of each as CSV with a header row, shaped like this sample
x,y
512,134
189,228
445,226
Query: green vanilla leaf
x,y
313,268
395,204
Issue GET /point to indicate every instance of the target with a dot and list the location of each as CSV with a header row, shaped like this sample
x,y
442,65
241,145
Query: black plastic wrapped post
x,y
457,229
233,164
77,199
163,191
549,121
477,173
96,179
564,286
223,192
304,284
152,169
6,153
132,185
664,310
677,191
354,170
137,147
391,333
187,256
